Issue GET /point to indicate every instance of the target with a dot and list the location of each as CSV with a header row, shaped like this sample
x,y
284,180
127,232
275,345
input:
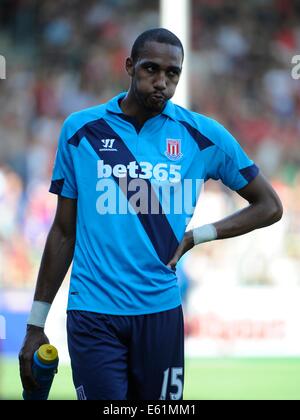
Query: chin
x,y
156,107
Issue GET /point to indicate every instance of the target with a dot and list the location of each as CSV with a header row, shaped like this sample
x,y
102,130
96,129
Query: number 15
x,y
175,381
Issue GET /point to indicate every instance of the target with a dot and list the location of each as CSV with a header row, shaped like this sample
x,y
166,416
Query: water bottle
x,y
44,367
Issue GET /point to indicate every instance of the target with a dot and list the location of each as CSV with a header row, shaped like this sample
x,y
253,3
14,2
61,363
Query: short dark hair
x,y
161,35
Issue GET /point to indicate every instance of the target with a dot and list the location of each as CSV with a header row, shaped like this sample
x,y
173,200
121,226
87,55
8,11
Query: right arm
x,y
56,260
59,250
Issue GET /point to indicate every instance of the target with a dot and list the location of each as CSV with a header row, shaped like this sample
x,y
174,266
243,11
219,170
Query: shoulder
x,y
79,119
205,125
208,127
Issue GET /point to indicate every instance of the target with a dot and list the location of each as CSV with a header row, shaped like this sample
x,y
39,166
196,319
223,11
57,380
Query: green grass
x,y
11,388
205,379
243,379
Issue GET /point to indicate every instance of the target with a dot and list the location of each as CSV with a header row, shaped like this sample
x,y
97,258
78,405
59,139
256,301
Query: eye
x,y
150,69
172,73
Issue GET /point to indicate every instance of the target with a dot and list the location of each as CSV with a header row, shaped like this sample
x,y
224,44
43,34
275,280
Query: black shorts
x,y
137,357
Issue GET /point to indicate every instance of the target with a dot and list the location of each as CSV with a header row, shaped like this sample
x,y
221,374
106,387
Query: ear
x,y
129,66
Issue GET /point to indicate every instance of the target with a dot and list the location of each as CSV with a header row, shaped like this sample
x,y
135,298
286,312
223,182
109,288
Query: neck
x,y
133,108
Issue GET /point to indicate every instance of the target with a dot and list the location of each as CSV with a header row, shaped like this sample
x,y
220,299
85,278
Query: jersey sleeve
x,y
63,181
229,162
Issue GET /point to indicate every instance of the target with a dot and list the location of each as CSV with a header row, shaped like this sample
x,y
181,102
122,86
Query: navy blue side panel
x,y
57,186
202,141
75,139
156,226
250,172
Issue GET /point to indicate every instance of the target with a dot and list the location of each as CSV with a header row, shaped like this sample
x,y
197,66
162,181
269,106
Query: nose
x,y
160,82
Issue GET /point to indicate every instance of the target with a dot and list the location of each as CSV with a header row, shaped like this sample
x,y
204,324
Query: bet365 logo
x,y
143,170
296,68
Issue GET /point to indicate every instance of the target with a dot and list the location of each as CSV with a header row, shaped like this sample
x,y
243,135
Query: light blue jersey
x,y
136,191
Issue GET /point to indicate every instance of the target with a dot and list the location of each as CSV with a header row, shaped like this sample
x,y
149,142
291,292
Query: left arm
x,y
264,209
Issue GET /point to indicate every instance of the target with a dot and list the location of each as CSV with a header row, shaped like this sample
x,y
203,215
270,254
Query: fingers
x,y
172,263
25,363
185,245
35,337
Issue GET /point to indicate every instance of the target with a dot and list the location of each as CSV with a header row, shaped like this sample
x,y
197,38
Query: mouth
x,y
157,97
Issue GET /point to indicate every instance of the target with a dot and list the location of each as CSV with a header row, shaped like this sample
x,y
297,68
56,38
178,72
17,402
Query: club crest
x,y
173,149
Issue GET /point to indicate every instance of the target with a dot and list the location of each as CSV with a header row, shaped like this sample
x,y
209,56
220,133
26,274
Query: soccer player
x,y
122,172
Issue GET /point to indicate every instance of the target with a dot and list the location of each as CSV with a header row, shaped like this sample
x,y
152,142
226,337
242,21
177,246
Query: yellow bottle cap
x,y
47,353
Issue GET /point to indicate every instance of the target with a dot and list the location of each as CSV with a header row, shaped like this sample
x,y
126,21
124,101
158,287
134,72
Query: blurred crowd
x,y
67,55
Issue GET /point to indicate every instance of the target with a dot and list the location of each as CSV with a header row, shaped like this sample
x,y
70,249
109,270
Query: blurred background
x,y
241,296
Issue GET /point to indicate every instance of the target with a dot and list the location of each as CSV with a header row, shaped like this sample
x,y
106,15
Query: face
x,y
155,74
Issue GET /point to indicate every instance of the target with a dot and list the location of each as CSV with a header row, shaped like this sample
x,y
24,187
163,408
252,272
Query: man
x,y
125,324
